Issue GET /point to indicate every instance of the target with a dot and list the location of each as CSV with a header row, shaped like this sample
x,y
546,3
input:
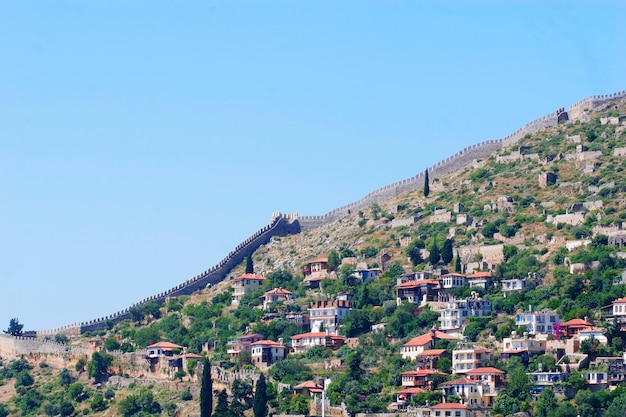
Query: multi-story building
x,y
245,284
512,285
538,322
420,378
456,312
242,344
267,352
533,345
417,345
275,296
473,393
300,343
467,356
327,314
418,291
453,280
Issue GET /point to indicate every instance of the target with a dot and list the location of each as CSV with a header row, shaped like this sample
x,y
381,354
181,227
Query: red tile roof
x,y
432,352
309,385
319,260
249,276
423,372
426,338
267,343
460,381
480,275
411,390
449,406
453,274
620,300
417,283
577,322
280,291
317,334
485,370
165,346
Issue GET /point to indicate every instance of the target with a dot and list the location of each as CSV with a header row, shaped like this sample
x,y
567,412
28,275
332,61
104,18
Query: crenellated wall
x,y
282,224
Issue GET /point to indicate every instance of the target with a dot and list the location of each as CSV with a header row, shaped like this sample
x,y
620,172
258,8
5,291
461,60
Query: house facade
x,y
467,356
456,312
301,343
417,345
267,352
245,284
276,295
538,322
327,314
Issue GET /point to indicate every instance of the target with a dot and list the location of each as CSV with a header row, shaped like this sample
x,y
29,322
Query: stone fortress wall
x,y
283,224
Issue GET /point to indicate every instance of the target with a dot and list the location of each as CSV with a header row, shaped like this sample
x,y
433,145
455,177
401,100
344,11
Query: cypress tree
x,y
446,252
426,184
457,265
249,265
259,404
206,390
221,408
435,254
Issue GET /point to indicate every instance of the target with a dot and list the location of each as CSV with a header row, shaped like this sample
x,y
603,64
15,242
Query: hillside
x,y
546,210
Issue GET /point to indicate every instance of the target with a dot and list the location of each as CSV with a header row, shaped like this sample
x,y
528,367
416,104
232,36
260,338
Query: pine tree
x,y
206,390
426,184
457,266
259,404
249,265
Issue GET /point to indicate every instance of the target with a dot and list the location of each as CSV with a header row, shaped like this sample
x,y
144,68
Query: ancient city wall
x,y
291,224
280,225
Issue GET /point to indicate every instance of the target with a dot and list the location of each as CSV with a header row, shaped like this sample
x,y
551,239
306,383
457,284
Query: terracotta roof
x,y
411,390
486,370
249,276
267,343
460,381
480,275
316,334
165,346
319,260
308,384
426,338
417,283
449,406
486,350
281,291
577,322
620,300
423,372
453,274
432,352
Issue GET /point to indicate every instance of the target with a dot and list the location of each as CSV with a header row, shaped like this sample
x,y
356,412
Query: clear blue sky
x,y
142,141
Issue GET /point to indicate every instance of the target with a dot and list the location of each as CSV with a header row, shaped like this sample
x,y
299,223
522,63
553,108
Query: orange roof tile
x,y
480,275
411,390
432,352
249,276
316,334
620,300
165,346
460,381
449,406
319,260
426,338
280,291
485,370
417,283
453,274
577,322
267,343
308,384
